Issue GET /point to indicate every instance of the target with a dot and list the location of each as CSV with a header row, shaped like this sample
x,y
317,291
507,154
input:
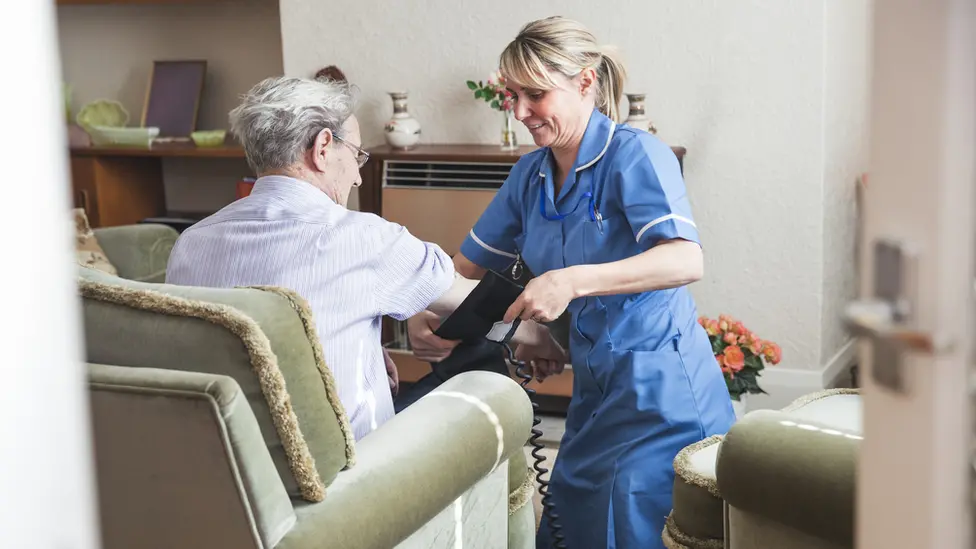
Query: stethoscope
x,y
594,211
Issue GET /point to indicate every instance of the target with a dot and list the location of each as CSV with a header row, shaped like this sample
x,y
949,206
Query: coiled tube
x,y
524,373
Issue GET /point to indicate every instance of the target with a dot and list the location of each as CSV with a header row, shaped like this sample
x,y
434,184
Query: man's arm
x,y
528,332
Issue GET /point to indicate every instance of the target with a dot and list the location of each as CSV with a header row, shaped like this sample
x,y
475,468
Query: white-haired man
x,y
302,140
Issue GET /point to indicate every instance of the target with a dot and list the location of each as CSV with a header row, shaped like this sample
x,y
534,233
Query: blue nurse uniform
x,y
645,381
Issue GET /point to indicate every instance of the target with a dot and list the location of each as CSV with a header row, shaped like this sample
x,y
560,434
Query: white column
x,y
46,480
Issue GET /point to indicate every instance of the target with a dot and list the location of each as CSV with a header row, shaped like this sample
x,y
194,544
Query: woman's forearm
x,y
668,265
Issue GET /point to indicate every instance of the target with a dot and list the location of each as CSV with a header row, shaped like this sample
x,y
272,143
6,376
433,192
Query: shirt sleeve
x,y
410,273
650,191
491,242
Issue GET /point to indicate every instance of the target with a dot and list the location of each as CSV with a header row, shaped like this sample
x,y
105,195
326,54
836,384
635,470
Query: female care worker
x,y
600,215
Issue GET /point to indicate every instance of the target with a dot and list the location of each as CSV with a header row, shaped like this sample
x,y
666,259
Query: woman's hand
x,y
548,358
544,298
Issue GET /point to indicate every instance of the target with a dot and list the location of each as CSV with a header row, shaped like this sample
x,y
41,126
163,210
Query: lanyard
x,y
593,211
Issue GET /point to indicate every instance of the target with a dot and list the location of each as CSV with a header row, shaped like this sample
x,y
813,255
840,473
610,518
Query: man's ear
x,y
587,80
320,149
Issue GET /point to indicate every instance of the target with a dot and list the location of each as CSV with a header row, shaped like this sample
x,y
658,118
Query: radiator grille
x,y
445,175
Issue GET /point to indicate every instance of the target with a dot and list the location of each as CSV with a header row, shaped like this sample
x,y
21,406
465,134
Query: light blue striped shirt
x,y
351,267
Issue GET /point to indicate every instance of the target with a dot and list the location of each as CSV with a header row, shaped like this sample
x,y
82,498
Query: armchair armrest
x,y
181,462
417,464
795,471
139,252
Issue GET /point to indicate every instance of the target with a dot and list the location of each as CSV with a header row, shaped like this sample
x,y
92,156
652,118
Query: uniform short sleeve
x,y
410,274
650,191
491,242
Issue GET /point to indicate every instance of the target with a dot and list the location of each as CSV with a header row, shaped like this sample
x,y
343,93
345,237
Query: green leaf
x,y
718,346
495,104
472,85
481,84
478,94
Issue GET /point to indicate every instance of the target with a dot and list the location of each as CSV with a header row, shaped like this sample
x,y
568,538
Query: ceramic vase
x,y
637,118
509,142
403,130
739,407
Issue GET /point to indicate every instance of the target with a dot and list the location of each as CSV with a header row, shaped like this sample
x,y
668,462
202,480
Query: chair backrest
x,y
264,338
181,461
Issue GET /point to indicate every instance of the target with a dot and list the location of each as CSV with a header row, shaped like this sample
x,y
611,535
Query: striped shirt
x,y
352,268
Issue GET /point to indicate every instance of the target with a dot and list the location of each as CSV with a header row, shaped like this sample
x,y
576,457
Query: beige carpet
x,y
550,454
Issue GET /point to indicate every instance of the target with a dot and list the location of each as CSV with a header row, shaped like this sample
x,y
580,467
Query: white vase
x,y
403,130
739,407
636,117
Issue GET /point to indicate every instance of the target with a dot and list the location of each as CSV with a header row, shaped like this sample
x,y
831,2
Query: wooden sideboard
x,y
438,192
124,185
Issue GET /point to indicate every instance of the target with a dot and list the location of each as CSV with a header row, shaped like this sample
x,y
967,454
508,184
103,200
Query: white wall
x,y
846,105
108,50
766,95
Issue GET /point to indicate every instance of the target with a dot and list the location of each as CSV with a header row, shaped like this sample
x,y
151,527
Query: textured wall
x,y
741,84
108,50
846,68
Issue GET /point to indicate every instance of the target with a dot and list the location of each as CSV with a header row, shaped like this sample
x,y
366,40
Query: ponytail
x,y
564,45
611,75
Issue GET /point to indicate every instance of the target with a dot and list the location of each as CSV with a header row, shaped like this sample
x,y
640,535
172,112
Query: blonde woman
x,y
599,213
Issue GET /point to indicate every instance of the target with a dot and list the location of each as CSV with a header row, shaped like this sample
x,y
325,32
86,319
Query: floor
x,y
552,428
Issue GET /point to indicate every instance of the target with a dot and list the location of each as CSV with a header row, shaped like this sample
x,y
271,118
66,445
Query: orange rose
x,y
738,328
730,338
772,352
756,346
711,326
734,357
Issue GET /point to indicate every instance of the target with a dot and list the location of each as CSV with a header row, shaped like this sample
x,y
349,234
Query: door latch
x,y
887,320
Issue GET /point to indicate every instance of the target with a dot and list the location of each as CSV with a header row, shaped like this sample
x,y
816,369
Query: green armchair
x,y
216,424
778,478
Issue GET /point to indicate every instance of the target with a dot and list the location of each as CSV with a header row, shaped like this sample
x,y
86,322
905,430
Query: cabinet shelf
x,y
134,2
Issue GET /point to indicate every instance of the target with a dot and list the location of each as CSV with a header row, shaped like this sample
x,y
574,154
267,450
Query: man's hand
x,y
391,372
427,346
547,358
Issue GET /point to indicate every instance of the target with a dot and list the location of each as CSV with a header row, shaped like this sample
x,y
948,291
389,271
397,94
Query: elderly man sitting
x,y
302,140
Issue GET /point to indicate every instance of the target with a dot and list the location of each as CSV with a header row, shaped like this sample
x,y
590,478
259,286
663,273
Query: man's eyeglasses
x,y
361,156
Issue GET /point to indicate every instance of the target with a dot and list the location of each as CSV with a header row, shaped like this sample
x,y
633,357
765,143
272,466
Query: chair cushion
x,y
697,505
263,338
88,251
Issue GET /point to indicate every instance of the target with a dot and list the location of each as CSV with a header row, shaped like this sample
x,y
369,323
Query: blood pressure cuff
x,y
481,314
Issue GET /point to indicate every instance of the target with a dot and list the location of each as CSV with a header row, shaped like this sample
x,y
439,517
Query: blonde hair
x,y
563,45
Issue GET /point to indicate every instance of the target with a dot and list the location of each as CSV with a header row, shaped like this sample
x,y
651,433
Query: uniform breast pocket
x,y
603,240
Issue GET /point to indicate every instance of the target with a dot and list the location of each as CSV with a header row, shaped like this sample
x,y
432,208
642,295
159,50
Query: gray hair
x,y
279,118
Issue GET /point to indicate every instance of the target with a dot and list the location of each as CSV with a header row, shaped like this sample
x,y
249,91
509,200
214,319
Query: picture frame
x,y
173,96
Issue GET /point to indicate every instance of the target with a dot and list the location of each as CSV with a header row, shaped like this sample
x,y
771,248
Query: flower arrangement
x,y
740,354
493,92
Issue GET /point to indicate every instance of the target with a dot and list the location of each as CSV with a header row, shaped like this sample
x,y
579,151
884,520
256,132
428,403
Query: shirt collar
x,y
596,141
290,190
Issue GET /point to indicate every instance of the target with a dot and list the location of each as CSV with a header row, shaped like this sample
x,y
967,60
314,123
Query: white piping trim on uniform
x,y
489,248
662,219
603,152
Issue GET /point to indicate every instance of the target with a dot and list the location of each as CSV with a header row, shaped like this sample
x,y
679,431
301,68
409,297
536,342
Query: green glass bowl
x,y
104,113
209,138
